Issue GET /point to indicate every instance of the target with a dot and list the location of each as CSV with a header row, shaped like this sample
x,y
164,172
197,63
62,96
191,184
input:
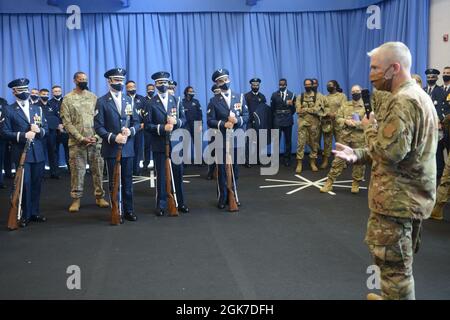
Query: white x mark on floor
x,y
304,183
152,178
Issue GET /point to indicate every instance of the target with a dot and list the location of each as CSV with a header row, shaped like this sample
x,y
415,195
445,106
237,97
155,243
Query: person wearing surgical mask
x,y
77,116
436,93
20,123
348,118
283,108
164,115
194,120
150,91
402,188
34,96
52,117
117,122
226,113
137,102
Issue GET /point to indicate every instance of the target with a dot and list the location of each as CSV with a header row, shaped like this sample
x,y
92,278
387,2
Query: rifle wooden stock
x,y
232,204
115,204
15,198
171,204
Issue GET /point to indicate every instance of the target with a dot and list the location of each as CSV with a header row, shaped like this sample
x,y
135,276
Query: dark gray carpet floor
x,y
301,246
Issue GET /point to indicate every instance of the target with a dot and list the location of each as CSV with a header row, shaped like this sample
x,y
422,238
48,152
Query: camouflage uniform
x,y
328,124
350,136
313,107
403,184
444,185
77,114
379,101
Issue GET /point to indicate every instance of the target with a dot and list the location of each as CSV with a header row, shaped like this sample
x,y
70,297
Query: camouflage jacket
x,y
77,114
351,110
310,111
334,102
402,147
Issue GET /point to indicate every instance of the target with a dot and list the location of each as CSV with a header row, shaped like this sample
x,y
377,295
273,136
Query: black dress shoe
x,y
130,216
239,204
221,206
38,219
159,212
24,222
247,165
183,209
209,177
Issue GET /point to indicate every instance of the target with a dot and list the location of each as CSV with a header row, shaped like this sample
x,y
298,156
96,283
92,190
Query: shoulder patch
x,y
389,130
209,110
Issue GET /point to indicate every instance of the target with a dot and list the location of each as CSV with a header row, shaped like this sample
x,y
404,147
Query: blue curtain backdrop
x,y
325,45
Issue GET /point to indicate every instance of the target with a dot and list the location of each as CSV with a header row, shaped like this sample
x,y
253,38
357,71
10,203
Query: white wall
x,y
439,51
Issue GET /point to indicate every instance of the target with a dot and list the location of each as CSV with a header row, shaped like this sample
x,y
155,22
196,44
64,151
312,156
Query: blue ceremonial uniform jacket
x,y
281,112
156,118
13,126
139,105
192,110
218,113
108,123
51,113
437,96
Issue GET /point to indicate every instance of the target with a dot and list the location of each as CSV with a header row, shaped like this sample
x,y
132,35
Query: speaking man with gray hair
x,y
402,147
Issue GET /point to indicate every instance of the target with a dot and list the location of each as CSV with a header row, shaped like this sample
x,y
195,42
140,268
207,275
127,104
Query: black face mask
x,y
190,95
57,96
23,95
162,88
431,82
356,96
82,85
131,92
446,78
44,99
331,89
150,93
283,88
308,89
314,89
255,90
117,86
33,97
225,86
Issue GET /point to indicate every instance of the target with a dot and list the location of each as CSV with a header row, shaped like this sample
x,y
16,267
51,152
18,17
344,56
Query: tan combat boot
x,y
299,168
438,211
374,296
355,186
312,162
327,187
324,163
102,203
75,206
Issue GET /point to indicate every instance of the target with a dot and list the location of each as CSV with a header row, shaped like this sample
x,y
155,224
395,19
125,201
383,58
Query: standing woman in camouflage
x,y
402,191
335,99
